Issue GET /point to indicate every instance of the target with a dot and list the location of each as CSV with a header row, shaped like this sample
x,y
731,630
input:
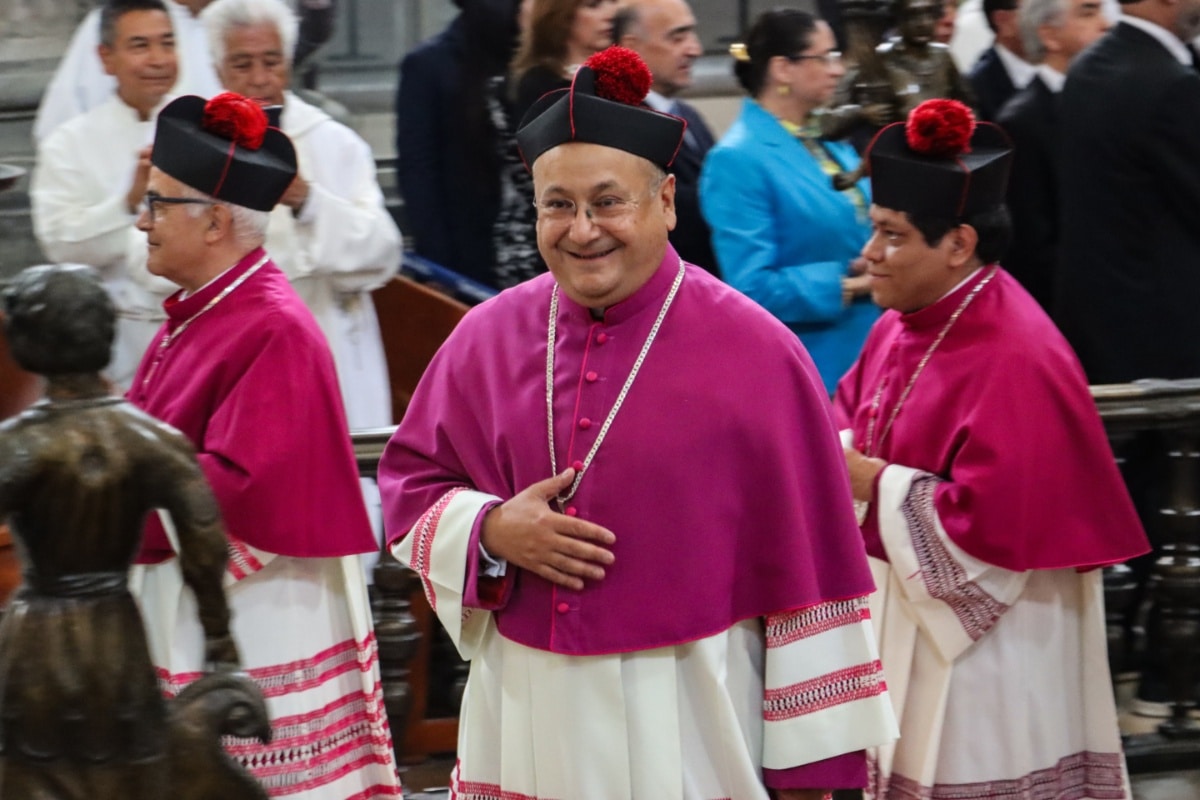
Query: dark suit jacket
x,y
1031,119
449,206
991,84
1129,272
691,236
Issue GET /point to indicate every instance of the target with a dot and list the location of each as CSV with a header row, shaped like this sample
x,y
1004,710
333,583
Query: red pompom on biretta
x,y
237,118
940,128
621,75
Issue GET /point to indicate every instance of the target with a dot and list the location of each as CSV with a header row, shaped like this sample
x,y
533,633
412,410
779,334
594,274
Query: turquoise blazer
x,y
785,238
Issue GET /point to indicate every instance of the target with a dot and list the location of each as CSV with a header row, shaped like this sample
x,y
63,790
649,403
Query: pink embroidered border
x,y
792,626
293,676
471,790
832,689
424,531
1092,775
944,578
242,562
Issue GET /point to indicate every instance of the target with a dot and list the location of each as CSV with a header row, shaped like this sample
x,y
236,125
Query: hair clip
x,y
739,52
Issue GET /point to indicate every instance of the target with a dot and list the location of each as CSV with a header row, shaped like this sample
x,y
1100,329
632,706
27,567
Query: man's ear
x,y
962,241
666,195
220,223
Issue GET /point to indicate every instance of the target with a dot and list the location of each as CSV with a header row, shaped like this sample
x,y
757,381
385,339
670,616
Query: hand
x,y
858,286
141,179
858,266
562,549
879,114
862,473
296,194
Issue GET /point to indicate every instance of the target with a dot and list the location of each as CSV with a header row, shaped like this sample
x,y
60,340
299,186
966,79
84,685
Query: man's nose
x,y
583,227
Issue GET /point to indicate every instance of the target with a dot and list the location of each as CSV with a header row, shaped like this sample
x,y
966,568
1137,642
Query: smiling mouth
x,y
593,256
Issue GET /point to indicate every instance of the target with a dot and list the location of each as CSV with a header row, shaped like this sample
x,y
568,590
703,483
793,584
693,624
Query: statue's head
x,y
917,20
59,320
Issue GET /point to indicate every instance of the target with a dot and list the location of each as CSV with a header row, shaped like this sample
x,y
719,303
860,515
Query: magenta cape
x,y
1003,415
721,477
252,384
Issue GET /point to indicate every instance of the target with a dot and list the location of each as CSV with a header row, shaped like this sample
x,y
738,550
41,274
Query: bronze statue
x,y
81,713
889,79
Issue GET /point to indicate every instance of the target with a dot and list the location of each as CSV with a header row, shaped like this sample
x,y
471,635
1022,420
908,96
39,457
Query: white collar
x,y
186,293
1053,79
1020,71
660,102
958,285
1167,39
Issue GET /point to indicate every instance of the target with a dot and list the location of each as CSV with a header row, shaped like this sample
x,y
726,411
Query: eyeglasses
x,y
153,198
831,59
606,209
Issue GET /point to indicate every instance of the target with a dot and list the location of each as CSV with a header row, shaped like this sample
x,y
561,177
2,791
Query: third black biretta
x,y
940,163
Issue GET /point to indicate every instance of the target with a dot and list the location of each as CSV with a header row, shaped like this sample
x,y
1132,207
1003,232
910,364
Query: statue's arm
x,y
203,551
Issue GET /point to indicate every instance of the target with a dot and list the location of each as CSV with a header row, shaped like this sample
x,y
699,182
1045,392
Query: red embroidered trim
x,y
242,562
832,689
1096,776
944,578
472,790
424,531
323,745
792,626
295,676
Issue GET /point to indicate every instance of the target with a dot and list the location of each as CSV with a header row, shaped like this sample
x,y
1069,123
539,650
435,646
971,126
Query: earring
x,y
783,89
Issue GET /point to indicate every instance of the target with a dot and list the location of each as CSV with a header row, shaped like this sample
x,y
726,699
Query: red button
x,y
572,511
601,337
585,423
591,377
563,608
577,466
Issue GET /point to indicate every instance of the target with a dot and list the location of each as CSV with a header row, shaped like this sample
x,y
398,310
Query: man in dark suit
x,y
1129,269
663,33
1002,69
447,159
1054,32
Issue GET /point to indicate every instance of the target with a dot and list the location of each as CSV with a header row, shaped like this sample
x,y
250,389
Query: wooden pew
x,y
414,320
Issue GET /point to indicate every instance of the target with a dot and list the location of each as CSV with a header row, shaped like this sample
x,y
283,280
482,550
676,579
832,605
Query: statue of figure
x,y
81,714
889,79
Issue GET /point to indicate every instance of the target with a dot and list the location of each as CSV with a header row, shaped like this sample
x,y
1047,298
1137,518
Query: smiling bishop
x,y
622,489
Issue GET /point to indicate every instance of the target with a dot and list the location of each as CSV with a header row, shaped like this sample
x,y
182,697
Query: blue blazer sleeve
x,y
751,212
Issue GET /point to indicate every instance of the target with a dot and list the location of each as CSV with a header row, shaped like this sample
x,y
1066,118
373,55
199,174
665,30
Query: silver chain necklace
x,y
551,335
870,442
861,506
167,340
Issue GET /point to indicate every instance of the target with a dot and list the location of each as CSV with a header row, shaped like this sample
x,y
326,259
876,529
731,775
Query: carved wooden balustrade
x,y
1153,604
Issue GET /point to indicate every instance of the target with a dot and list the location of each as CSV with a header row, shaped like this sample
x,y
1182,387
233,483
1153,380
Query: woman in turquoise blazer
x,y
782,235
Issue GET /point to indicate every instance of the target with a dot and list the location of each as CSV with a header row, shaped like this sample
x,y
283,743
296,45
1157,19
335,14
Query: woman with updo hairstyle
x,y
782,234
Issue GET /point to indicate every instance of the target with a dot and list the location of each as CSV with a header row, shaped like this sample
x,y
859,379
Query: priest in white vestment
x,y
80,82
91,175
